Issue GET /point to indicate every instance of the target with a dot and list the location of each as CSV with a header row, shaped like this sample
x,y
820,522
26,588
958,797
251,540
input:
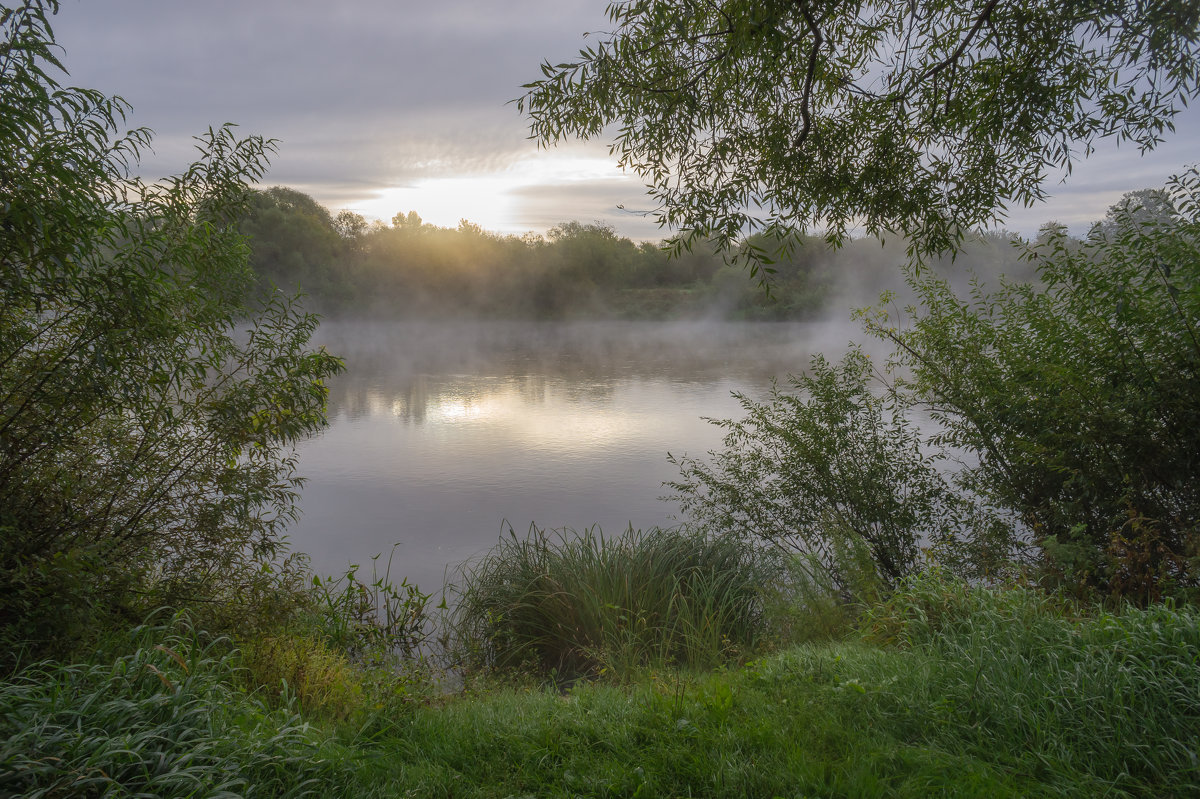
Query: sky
x,y
389,106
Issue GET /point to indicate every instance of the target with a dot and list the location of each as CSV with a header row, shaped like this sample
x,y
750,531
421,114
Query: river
x,y
443,435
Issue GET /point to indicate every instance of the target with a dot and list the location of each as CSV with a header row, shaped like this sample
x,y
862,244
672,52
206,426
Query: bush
x,y
1066,416
835,471
583,604
1080,396
146,413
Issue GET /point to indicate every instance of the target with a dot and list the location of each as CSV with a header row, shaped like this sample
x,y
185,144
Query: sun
x,y
485,200
491,200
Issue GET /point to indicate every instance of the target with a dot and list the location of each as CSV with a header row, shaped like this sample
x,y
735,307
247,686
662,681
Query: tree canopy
x,y
925,118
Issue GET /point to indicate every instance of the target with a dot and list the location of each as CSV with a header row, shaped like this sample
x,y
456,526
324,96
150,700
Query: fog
x,y
448,428
349,269
443,433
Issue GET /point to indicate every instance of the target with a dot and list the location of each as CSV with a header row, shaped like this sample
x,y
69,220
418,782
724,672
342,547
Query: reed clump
x,y
573,604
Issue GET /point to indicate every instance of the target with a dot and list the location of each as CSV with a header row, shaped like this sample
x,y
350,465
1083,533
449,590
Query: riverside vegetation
x,y
945,689
1006,608
347,267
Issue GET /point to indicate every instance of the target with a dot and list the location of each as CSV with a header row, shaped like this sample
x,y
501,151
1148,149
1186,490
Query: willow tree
x,y
925,117
146,412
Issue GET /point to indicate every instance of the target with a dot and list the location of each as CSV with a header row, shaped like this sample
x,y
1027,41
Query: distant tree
x,y
593,252
350,225
928,118
1152,207
295,246
296,202
410,221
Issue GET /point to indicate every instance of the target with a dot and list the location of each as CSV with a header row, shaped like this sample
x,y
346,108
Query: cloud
x,y
621,204
1100,180
363,96
370,96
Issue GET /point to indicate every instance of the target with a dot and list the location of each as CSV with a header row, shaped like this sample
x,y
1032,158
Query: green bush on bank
x,y
840,475
148,413
1077,397
1044,429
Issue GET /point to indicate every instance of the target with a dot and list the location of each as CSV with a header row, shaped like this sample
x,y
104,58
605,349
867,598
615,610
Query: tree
x,y
350,225
927,118
1080,396
147,412
294,246
411,220
592,253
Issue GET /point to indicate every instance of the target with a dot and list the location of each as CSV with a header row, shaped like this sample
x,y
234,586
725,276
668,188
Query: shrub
x,y
146,412
1080,396
1066,415
835,471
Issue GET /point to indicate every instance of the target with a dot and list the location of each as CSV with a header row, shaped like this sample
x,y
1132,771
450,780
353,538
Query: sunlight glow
x,y
453,409
489,200
501,411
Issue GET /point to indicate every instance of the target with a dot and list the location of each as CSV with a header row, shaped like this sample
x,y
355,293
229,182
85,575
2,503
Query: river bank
x,y
940,690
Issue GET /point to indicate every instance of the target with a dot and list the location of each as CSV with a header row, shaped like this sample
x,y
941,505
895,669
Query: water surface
x,y
442,435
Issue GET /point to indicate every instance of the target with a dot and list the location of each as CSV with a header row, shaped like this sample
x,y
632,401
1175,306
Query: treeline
x,y
345,265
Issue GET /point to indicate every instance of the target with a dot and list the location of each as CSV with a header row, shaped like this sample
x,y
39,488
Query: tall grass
x,y
164,720
577,604
1115,695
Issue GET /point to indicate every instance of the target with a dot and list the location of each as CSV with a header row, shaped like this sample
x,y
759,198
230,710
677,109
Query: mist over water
x,y
441,435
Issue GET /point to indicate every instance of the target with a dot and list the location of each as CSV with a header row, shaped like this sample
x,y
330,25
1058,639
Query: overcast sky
x,y
386,106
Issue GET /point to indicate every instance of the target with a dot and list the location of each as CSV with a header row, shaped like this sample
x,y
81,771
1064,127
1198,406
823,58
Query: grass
x,y
582,604
783,727
952,691
166,720
1114,694
946,690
